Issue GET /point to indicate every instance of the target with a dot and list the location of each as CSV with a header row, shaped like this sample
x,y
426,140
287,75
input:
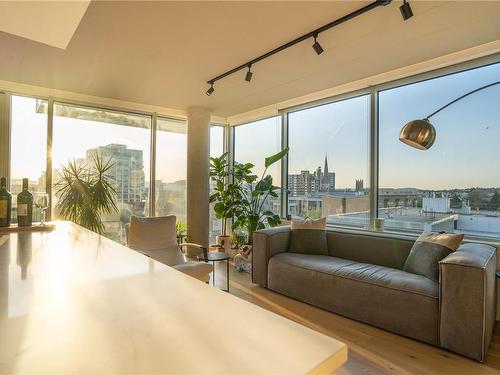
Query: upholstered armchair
x,y
156,238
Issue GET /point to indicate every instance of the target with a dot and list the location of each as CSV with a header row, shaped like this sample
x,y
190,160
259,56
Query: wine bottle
x,y
25,206
5,203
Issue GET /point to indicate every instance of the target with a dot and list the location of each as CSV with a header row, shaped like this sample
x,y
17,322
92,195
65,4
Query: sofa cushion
x,y
392,299
429,249
372,248
309,237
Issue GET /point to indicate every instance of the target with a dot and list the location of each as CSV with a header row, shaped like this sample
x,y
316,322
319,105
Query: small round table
x,y
217,256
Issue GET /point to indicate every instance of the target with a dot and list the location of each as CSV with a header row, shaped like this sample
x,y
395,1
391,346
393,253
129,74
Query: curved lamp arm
x,y
421,134
461,97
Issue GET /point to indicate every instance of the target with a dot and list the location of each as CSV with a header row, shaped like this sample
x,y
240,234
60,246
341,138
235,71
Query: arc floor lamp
x,y
421,134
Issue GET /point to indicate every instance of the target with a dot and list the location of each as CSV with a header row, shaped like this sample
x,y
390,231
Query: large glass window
x,y
328,168
216,150
28,147
80,133
171,168
254,142
455,185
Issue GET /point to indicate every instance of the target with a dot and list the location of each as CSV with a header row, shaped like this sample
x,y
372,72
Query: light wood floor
x,y
371,350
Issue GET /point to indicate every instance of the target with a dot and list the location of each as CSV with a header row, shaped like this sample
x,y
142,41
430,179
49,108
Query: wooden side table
x,y
217,257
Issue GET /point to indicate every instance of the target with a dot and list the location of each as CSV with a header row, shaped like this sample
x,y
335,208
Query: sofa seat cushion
x,y
389,298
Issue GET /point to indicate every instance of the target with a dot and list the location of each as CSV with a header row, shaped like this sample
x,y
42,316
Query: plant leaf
x,y
274,158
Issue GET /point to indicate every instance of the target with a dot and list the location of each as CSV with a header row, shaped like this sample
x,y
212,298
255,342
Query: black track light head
x,y
211,90
249,75
406,11
316,46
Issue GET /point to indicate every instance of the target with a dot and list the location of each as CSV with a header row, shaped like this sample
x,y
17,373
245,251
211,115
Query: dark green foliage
x,y
494,203
249,214
475,199
85,193
240,194
226,194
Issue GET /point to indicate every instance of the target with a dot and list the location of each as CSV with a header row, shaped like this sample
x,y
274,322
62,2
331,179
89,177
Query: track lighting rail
x,y
311,34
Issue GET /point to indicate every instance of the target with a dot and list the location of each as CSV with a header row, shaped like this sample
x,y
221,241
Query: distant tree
x,y
314,214
494,201
455,200
475,199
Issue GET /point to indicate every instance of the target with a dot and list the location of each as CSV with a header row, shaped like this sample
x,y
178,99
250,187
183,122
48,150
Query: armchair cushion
x,y
155,237
148,233
198,270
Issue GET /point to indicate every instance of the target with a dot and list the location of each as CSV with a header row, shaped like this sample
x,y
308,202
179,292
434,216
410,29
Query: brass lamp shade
x,y
419,134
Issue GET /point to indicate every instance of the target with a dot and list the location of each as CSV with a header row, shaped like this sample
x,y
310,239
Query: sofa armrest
x,y
467,300
267,243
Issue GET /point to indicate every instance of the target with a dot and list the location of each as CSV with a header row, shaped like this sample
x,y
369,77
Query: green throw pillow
x,y
309,237
429,249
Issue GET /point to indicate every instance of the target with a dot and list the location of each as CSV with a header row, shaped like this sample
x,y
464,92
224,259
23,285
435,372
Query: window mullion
x,y
152,166
48,172
373,157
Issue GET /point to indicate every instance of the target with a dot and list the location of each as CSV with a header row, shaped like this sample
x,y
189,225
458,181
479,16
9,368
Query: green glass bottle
x,y
25,206
5,203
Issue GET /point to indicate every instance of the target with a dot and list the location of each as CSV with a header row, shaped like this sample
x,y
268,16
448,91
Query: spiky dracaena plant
x,y
85,193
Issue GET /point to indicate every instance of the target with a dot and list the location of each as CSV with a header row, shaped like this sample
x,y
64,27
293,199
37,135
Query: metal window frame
x,y
6,123
373,148
5,135
373,143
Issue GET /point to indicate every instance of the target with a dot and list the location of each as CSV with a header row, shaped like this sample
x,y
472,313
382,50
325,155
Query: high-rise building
x,y
127,172
310,183
359,185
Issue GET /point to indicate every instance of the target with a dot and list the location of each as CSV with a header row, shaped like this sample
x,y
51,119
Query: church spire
x,y
326,166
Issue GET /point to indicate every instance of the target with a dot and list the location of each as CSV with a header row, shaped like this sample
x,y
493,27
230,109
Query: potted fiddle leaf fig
x,y
225,196
253,192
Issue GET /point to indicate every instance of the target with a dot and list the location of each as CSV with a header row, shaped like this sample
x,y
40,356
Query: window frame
x,y
6,127
373,144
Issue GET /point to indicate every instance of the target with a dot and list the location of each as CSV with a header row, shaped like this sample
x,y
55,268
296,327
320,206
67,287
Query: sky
x,y
466,152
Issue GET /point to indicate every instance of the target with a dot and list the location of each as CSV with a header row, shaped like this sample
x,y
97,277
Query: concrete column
x,y
198,152
4,136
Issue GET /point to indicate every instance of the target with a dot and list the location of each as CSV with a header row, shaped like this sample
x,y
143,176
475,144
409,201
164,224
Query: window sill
x,y
407,235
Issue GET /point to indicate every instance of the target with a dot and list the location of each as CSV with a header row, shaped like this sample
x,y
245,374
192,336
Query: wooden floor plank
x,y
371,350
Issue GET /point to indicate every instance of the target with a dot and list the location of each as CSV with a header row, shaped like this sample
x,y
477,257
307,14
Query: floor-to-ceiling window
x,y
28,146
455,185
171,164
216,150
81,133
328,164
255,141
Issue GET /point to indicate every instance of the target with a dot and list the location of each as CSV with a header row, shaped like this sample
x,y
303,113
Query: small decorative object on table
x,y
243,260
25,206
42,203
379,224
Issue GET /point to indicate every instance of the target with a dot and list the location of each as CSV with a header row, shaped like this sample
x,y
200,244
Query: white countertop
x,y
73,302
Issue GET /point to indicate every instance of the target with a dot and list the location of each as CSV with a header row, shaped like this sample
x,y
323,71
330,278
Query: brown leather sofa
x,y
363,278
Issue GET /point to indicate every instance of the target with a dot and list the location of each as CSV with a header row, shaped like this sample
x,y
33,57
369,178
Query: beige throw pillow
x,y
309,224
309,237
429,249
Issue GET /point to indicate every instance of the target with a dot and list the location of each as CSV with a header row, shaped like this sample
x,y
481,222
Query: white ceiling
x,y
52,23
162,53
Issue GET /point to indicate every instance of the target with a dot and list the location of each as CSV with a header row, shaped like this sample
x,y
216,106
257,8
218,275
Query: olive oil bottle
x,y
5,203
25,206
